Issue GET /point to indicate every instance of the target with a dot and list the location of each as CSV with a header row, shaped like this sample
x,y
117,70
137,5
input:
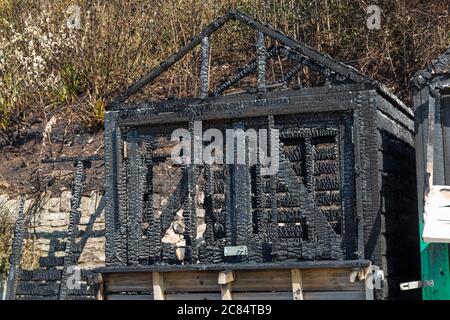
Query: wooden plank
x,y
297,284
193,296
334,295
129,297
99,287
329,280
370,293
118,282
225,280
308,295
262,295
158,285
200,281
262,280
280,280
225,291
226,277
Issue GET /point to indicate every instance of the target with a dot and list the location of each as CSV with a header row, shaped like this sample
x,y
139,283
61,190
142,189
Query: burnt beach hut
x,y
431,97
337,220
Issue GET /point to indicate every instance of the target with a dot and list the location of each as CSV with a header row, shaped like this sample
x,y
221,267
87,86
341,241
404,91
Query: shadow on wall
x,y
50,234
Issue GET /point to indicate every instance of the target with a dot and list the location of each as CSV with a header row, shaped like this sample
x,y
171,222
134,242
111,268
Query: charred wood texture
x,y
71,254
16,252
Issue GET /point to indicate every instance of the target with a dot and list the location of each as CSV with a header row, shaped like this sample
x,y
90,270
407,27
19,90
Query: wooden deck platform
x,y
321,280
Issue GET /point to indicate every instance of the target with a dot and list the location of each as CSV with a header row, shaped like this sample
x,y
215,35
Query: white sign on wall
x,y
437,215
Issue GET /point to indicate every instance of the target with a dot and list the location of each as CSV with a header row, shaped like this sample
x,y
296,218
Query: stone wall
x,y
50,222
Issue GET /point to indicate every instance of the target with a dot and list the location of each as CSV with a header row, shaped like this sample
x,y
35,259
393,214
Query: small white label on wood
x,y
235,251
437,215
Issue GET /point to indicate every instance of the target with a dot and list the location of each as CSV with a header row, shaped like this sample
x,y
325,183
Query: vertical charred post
x,y
16,255
204,69
71,257
262,61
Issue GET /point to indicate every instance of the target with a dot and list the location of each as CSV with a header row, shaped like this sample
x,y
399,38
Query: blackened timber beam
x,y
174,58
269,105
73,159
209,205
204,69
324,60
243,72
291,73
72,230
121,235
16,254
348,199
273,225
357,132
262,61
320,58
152,243
190,210
111,192
241,194
318,264
445,109
135,197
131,107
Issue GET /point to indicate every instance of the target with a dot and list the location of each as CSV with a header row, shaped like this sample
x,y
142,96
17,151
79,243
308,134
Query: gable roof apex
x,y
319,58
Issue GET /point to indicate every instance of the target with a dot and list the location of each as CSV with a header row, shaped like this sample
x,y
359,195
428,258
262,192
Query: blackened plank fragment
x,y
71,258
135,197
209,205
243,72
16,252
121,237
111,192
262,61
445,114
309,165
51,262
213,26
358,131
273,232
204,69
150,245
189,207
40,275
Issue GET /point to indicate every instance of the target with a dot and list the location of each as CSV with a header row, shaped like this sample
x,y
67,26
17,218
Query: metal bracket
x,y
416,285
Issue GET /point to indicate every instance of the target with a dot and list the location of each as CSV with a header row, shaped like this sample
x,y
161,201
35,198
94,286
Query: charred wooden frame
x,y
367,136
431,97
